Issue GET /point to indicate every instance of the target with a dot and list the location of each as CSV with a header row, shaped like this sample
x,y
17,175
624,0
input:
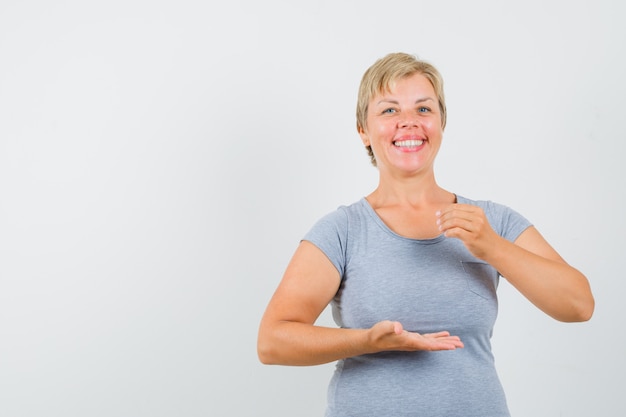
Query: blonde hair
x,y
380,77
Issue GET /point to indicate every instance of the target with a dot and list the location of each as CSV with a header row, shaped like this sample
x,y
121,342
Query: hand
x,y
469,224
389,335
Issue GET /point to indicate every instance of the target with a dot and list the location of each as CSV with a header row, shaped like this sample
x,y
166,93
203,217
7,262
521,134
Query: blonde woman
x,y
411,271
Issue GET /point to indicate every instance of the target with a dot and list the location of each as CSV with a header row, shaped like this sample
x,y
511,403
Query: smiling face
x,y
404,126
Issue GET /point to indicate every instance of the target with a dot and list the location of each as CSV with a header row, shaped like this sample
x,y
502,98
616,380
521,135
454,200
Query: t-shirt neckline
x,y
372,213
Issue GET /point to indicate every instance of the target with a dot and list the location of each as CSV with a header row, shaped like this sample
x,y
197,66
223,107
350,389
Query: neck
x,y
414,191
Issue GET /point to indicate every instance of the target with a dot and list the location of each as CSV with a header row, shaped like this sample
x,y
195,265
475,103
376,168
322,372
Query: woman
x,y
411,271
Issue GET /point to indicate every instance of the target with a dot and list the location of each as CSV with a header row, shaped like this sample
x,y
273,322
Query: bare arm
x,y
530,264
288,335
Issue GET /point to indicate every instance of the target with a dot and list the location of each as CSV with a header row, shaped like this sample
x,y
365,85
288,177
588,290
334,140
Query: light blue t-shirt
x,y
427,285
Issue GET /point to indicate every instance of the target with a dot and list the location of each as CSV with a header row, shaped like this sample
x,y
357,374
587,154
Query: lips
x,y
408,143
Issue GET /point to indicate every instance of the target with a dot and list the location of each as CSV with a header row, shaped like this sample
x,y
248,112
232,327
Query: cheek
x,y
433,127
382,129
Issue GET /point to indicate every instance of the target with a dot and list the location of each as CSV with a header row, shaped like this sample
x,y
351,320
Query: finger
x,y
435,341
397,327
445,338
446,345
453,346
449,341
463,235
458,208
437,334
456,218
457,223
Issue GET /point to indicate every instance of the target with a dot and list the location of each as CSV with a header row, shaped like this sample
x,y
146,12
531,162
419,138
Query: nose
x,y
409,120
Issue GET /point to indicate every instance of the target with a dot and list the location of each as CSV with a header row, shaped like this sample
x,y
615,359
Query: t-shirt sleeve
x,y
330,235
507,222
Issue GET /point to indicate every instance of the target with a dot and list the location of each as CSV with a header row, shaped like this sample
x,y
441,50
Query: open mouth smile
x,y
413,143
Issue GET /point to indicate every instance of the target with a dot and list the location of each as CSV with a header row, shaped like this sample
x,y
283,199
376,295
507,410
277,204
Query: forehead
x,y
413,84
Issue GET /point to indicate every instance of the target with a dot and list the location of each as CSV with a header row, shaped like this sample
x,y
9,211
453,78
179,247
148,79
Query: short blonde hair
x,y
380,77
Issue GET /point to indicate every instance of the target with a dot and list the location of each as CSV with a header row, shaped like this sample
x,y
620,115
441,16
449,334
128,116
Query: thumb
x,y
397,327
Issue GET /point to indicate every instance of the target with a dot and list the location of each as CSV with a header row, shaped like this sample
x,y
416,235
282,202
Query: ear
x,y
364,136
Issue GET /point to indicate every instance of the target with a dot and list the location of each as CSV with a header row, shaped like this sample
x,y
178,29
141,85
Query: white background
x,y
160,160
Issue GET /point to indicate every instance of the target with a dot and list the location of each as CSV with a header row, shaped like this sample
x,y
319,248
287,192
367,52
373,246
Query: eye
x,y
390,110
423,109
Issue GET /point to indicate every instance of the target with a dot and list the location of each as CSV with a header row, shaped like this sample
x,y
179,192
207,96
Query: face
x,y
404,126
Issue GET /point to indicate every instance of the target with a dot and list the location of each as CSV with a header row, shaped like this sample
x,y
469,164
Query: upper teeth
x,y
408,142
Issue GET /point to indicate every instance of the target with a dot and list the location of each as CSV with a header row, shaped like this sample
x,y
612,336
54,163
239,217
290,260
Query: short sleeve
x,y
330,235
507,222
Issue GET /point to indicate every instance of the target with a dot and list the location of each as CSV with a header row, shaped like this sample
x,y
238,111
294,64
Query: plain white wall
x,y
160,160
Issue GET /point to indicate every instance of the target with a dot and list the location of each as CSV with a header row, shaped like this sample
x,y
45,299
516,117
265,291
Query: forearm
x,y
294,343
552,285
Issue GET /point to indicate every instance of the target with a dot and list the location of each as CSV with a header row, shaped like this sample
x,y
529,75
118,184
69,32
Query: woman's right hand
x,y
288,334
390,335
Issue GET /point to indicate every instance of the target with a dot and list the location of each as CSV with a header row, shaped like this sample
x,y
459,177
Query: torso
x,y
428,285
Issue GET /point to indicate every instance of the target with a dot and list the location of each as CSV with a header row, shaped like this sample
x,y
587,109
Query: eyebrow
x,y
419,100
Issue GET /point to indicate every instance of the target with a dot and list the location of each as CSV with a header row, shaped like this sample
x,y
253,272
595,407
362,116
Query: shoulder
x,y
331,233
490,208
337,222
484,204
505,220
343,214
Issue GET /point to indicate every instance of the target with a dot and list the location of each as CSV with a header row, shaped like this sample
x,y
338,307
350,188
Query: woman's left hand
x,y
469,224
529,263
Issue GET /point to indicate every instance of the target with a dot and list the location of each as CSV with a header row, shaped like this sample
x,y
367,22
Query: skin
x,y
411,203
